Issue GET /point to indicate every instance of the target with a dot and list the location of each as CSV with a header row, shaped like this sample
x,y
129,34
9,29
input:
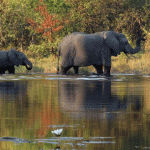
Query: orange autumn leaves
x,y
48,116
49,24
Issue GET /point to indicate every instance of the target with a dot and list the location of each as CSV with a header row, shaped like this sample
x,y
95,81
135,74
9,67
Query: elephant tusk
x,y
129,56
28,68
28,64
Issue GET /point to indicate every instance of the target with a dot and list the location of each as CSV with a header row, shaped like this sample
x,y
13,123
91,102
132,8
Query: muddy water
x,y
94,112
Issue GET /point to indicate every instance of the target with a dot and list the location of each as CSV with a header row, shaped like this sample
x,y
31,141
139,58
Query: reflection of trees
x,y
92,108
146,97
13,103
44,110
28,108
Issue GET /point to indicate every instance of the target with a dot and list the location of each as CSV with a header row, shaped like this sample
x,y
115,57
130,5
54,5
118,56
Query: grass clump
x,y
45,65
136,64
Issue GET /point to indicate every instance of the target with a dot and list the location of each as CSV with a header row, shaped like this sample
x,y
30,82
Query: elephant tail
x,y
58,60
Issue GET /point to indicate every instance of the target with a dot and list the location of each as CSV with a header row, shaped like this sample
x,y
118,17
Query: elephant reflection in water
x,y
85,98
14,92
77,96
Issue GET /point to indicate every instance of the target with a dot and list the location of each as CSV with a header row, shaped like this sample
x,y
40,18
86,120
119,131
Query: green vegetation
x,y
37,26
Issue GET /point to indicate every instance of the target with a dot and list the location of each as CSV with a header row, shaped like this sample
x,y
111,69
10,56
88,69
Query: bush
x,y
38,50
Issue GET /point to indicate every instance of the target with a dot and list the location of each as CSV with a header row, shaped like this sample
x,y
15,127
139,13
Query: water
x,y
94,112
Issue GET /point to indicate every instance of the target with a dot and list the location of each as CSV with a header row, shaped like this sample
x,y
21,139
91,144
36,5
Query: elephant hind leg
x,y
99,69
65,69
76,69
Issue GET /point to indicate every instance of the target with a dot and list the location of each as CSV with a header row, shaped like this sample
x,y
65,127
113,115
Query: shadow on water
x,y
94,112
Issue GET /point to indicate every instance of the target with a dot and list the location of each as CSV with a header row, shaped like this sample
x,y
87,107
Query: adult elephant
x,y
80,49
11,58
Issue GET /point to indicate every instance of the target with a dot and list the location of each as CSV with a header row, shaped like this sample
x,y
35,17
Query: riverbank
x,y
136,64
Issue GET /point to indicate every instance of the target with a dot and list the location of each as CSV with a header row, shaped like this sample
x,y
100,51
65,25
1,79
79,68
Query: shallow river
x,y
94,112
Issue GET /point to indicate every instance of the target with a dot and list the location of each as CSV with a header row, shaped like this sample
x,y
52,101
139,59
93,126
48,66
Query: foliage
x,y
49,24
57,7
37,26
13,31
129,17
46,28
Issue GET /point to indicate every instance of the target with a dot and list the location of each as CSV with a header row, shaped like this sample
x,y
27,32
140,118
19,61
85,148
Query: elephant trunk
x,y
130,50
28,64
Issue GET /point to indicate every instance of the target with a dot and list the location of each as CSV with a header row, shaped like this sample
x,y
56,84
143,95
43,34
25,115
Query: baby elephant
x,y
11,58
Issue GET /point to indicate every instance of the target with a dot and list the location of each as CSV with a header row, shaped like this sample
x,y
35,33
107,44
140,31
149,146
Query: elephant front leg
x,y
99,69
76,69
2,70
11,69
107,71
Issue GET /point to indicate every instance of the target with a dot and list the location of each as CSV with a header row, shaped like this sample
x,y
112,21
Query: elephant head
x,y
18,58
119,43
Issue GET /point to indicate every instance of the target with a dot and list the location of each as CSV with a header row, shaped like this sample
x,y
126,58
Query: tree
x,y
48,26
130,17
13,31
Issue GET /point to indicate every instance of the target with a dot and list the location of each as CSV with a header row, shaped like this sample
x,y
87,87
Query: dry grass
x,y
47,65
140,65
120,64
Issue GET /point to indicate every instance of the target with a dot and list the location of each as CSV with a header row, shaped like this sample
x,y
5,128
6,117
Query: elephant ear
x,y
115,42
13,57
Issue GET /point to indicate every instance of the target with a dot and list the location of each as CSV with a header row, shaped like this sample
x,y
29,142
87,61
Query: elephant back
x,y
4,59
